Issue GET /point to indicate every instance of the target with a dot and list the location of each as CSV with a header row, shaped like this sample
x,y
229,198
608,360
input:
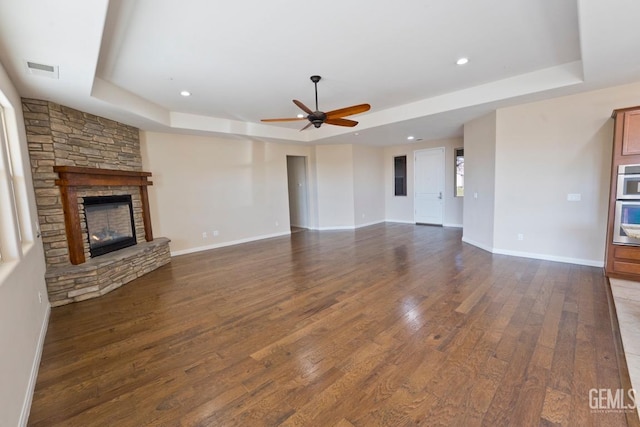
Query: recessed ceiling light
x,y
185,93
411,138
300,116
462,61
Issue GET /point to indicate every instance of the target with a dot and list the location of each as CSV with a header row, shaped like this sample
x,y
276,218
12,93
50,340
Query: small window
x,y
10,228
12,178
400,175
459,190
6,179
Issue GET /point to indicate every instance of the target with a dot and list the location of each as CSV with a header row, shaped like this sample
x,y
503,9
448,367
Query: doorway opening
x,y
298,193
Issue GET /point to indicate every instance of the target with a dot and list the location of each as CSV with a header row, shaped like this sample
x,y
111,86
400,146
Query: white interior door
x,y
429,186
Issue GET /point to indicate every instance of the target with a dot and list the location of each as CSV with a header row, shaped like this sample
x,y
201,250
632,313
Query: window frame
x,y
403,175
15,223
458,153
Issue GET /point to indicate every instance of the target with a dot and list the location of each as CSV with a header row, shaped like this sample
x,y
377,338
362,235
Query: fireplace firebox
x,y
110,223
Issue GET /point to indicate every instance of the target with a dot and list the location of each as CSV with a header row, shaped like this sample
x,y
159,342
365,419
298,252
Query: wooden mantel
x,y
71,177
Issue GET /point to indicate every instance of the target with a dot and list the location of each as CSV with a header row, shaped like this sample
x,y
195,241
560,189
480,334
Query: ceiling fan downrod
x,y
315,80
318,117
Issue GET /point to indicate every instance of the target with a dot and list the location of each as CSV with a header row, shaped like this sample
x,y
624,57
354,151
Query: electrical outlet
x,y
215,233
204,234
277,223
520,236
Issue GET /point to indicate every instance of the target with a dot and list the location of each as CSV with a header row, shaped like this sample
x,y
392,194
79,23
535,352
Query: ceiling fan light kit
x,y
317,117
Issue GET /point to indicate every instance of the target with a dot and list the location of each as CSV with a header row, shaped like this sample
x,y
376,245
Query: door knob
x,y
440,196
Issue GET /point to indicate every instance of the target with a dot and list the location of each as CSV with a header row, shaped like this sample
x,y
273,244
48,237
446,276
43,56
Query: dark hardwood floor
x,y
390,325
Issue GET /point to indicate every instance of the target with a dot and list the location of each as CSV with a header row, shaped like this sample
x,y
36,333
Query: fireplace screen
x,y
109,223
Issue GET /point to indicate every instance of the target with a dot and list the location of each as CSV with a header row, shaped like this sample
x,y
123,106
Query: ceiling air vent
x,y
43,70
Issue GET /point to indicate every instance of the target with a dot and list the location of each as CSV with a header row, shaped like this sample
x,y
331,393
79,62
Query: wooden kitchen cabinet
x,y
622,261
626,137
631,133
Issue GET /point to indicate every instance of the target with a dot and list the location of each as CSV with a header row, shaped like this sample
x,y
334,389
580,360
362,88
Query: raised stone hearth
x,y
105,273
76,155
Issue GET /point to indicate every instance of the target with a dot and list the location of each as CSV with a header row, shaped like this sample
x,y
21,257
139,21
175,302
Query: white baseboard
x,y
497,251
477,244
26,405
230,243
547,257
400,221
338,227
348,227
532,255
367,224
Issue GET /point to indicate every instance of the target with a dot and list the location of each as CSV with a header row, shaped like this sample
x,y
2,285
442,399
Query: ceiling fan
x,y
317,118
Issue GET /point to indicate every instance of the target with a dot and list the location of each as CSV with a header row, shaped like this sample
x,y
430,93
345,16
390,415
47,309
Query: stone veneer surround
x,y
61,136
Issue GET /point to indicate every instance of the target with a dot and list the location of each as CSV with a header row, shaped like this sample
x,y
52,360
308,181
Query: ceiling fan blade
x,y
309,124
354,109
302,106
292,119
341,122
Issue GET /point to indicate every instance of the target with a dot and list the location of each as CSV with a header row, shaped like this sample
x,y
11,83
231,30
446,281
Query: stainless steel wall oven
x,y
626,227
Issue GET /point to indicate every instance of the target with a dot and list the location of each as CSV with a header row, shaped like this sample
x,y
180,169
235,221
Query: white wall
x,y
546,150
368,185
524,160
205,184
400,208
479,181
239,188
334,169
23,318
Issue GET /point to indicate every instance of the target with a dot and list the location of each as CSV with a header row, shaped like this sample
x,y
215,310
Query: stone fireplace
x,y
78,161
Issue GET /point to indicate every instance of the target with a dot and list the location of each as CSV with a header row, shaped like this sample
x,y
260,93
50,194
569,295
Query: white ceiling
x,y
246,60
